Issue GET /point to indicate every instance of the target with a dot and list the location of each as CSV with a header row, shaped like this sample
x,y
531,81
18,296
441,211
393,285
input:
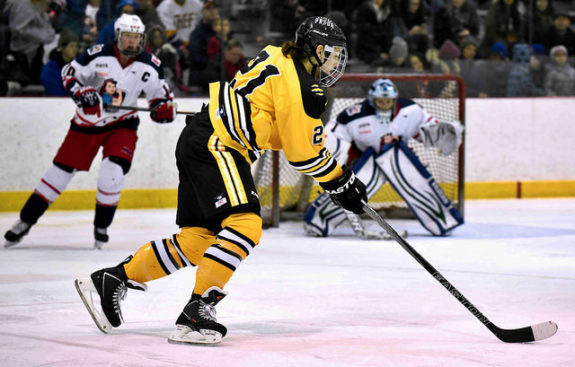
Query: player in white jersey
x,y
364,135
180,17
105,76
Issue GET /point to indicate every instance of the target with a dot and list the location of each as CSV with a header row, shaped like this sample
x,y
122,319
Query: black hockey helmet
x,y
316,31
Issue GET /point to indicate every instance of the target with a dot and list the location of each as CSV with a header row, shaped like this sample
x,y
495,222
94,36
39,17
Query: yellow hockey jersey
x,y
274,104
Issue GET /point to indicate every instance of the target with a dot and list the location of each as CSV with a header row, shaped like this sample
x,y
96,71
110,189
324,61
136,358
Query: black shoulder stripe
x,y
313,96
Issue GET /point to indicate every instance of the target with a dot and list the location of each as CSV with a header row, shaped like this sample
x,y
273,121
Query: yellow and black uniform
x,y
274,103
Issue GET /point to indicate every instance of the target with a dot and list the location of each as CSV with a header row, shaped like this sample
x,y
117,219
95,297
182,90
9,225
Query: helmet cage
x,y
316,31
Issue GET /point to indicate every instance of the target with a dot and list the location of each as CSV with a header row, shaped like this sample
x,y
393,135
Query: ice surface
x,y
298,301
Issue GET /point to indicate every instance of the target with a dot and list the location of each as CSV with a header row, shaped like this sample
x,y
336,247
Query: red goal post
x,y
285,193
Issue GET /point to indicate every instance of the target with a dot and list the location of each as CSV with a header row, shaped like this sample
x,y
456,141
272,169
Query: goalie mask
x,y
315,31
382,96
131,25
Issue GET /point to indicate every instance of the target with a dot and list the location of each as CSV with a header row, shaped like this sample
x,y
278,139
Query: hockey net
x,y
285,193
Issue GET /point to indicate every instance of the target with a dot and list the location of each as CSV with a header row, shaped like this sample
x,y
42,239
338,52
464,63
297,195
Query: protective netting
x,y
441,95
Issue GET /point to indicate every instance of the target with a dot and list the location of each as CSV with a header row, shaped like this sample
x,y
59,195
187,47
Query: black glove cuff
x,y
340,184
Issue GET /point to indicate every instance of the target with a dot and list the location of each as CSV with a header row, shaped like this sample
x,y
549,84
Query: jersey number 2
x,y
258,81
317,135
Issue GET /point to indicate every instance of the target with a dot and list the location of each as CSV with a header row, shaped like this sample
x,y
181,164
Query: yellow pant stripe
x,y
224,171
236,178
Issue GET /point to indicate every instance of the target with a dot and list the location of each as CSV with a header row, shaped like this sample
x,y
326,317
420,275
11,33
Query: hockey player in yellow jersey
x,y
274,103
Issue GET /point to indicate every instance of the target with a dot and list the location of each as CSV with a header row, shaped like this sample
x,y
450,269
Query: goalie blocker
x,y
399,166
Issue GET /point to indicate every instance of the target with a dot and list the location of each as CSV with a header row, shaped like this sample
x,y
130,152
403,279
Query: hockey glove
x,y
163,111
346,191
89,100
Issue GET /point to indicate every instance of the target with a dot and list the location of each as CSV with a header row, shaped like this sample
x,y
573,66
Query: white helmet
x,y
129,23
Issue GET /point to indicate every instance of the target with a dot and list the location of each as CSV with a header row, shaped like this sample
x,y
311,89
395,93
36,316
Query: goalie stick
x,y
144,109
527,334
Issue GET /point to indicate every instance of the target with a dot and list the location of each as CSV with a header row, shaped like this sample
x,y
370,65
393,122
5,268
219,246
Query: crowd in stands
x,y
499,47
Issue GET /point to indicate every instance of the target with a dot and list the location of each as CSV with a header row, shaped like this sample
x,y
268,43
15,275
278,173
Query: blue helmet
x,y
382,88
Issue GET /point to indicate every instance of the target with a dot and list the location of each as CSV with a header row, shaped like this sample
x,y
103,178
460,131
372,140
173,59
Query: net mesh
x,y
441,96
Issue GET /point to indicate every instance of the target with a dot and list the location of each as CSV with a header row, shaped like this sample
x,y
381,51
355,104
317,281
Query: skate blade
x,y
185,335
86,290
98,245
9,244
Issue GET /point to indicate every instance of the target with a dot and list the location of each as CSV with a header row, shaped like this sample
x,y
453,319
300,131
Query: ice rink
x,y
298,301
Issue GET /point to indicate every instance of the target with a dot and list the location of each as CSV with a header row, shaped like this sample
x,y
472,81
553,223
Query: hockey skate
x,y
15,234
101,237
197,323
110,285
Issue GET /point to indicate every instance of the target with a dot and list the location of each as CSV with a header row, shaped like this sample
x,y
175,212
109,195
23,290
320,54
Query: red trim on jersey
x,y
108,205
50,186
117,52
42,196
69,81
111,123
109,193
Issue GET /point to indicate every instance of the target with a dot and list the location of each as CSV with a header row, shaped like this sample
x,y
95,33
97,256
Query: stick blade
x,y
528,334
544,330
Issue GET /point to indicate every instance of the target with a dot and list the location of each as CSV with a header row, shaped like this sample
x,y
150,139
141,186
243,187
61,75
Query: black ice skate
x,y
15,234
101,237
110,284
197,323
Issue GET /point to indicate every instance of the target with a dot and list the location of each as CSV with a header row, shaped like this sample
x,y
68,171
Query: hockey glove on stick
x,y
163,111
89,99
346,191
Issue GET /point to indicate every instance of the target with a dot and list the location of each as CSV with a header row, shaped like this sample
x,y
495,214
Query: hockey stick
x,y
144,109
527,334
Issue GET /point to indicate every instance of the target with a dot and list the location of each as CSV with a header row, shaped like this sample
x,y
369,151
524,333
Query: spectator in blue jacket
x,y
125,7
51,75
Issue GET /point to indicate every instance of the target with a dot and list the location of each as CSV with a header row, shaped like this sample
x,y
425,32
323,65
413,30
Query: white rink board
x,y
508,139
296,301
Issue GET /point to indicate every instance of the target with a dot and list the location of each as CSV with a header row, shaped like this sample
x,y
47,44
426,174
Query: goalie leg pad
x,y
323,216
418,188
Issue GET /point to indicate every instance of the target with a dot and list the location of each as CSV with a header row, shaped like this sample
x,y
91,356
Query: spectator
x,y
51,75
374,31
148,14
495,72
92,9
168,55
234,60
413,21
455,21
198,45
107,33
470,67
561,34
397,61
448,64
71,19
30,29
286,15
90,33
503,23
560,78
179,18
106,12
520,83
222,34
540,20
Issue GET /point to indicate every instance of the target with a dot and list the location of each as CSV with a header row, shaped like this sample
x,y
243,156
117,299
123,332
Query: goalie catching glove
x,y
162,111
346,191
89,100
443,135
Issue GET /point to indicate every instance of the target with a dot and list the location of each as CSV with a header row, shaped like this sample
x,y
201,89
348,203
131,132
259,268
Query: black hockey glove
x,y
346,191
89,100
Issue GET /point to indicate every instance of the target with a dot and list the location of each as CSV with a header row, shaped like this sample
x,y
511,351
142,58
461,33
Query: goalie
x,y
372,137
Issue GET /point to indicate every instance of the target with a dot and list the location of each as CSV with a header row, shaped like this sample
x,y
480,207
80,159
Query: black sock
x,y
33,209
104,216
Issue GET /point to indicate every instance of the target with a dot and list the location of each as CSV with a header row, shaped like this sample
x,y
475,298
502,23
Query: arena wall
x,y
515,147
